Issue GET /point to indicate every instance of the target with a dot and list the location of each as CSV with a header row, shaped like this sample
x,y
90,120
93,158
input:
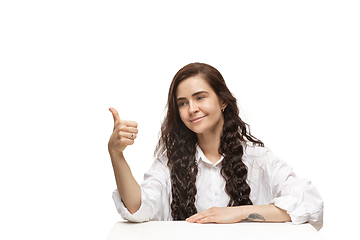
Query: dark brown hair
x,y
178,143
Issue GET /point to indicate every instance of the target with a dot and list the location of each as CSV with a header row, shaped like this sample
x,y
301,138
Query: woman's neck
x,y
209,143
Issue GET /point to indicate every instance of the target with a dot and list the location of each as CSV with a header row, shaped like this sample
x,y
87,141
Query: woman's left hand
x,y
217,215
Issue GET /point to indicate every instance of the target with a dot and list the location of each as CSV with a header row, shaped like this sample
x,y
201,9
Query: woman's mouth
x,y
198,119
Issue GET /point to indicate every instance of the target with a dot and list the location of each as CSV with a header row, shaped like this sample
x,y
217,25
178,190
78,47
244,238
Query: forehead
x,y
191,85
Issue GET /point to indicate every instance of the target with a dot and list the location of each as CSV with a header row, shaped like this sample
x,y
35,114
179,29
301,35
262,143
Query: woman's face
x,y
199,106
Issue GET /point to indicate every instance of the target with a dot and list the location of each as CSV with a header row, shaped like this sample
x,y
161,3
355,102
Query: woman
x,y
209,168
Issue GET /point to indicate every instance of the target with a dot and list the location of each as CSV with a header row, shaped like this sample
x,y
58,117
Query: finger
x,y
115,115
127,141
128,129
196,217
130,123
189,219
206,220
203,214
207,216
128,135
199,219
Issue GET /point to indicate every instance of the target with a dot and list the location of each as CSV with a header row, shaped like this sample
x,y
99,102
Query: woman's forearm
x,y
127,186
247,213
267,213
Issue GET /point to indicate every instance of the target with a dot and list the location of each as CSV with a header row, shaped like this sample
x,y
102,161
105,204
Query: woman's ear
x,y
223,105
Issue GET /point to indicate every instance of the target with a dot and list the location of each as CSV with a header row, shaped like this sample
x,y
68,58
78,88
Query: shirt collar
x,y
201,156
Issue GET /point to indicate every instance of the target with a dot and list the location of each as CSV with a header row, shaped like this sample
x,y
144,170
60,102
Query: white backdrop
x,y
293,66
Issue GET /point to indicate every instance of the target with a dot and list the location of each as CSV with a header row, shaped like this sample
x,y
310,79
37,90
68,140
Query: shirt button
x,y
216,192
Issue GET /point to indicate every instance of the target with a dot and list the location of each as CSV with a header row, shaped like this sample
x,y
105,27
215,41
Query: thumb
x,y
115,115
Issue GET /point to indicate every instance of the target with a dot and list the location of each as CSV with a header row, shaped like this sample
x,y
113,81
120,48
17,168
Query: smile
x,y
196,120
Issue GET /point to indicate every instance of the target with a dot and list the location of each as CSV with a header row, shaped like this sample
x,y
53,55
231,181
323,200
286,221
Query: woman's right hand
x,y
123,134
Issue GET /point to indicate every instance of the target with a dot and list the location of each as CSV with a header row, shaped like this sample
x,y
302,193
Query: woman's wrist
x,y
115,155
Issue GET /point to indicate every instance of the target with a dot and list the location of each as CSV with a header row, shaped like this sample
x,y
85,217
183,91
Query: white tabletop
x,y
186,231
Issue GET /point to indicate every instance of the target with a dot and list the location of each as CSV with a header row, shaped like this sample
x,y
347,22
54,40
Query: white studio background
x,y
293,65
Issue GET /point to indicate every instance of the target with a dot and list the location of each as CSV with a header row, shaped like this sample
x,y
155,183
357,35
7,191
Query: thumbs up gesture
x,y
123,134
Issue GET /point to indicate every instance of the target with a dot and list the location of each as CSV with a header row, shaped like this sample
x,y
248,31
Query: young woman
x,y
209,168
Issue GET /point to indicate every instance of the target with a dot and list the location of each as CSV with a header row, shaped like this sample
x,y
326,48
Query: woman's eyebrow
x,y
194,94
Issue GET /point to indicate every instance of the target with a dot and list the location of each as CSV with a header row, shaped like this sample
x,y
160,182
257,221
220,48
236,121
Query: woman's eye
x,y
200,97
182,104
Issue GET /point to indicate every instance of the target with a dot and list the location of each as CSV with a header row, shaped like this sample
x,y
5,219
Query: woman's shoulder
x,y
258,152
259,155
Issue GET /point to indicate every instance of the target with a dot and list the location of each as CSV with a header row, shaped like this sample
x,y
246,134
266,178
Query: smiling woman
x,y
209,168
199,107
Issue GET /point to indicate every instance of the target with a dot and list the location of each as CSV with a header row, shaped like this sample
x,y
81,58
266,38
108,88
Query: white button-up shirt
x,y
271,180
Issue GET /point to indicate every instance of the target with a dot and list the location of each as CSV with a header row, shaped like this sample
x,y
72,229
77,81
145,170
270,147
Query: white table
x,y
186,231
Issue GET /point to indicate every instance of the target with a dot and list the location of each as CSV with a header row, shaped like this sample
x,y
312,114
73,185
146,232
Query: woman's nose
x,y
193,108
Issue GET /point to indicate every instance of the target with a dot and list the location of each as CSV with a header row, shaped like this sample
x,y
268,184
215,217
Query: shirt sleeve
x,y
298,196
154,196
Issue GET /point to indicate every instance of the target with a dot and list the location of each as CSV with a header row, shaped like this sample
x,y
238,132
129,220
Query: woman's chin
x,y
197,130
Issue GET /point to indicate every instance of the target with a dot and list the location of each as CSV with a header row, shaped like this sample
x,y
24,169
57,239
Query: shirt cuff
x,y
295,208
299,212
141,215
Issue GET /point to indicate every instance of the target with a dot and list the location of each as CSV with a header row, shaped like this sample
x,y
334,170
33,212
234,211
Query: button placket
x,y
215,181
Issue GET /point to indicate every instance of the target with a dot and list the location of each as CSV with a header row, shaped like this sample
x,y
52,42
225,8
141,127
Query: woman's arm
x,y
127,186
123,135
247,213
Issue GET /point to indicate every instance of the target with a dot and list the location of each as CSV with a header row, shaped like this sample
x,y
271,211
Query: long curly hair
x,y
178,143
